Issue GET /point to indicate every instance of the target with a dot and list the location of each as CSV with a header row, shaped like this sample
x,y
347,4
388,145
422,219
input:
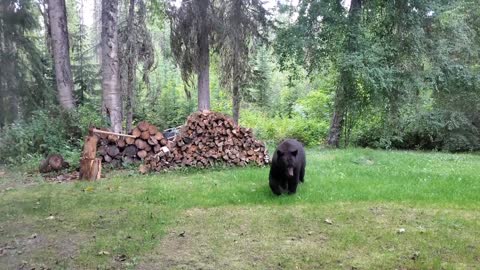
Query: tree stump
x,y
90,166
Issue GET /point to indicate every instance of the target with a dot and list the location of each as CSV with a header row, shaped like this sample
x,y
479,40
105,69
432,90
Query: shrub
x,y
431,130
47,132
275,129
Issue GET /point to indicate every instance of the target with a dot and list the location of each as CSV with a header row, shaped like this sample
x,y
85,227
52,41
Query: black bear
x,y
288,167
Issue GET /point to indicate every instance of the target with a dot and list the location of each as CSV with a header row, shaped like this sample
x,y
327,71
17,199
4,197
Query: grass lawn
x,y
358,209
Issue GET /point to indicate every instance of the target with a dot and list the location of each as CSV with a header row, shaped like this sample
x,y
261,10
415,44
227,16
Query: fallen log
x,y
53,163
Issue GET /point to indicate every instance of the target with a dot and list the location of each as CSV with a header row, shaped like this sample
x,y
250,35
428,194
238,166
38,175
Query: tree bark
x,y
3,102
188,94
90,166
57,14
12,87
43,8
236,102
346,80
97,28
112,97
131,65
337,120
204,59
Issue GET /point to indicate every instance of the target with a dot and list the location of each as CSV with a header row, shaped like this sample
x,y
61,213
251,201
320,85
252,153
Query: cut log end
x,y
53,163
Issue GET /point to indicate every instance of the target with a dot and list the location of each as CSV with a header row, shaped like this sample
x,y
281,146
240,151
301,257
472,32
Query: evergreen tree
x,y
244,24
192,29
23,87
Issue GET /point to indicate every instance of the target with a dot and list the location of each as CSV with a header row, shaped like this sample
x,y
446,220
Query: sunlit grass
x,y
129,214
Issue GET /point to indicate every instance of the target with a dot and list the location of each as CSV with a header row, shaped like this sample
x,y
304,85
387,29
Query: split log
x,y
158,136
145,135
141,144
130,151
152,141
121,143
136,132
129,141
142,154
107,158
143,126
112,150
152,130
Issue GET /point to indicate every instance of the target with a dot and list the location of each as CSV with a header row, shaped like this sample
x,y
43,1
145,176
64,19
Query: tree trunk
x,y
337,120
131,65
346,81
43,8
236,102
188,95
3,102
112,97
12,87
57,14
97,28
204,59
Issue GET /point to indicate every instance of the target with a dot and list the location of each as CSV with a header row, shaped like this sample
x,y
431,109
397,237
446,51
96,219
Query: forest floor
x,y
358,209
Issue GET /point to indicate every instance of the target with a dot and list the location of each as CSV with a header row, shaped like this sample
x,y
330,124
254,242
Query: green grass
x,y
232,221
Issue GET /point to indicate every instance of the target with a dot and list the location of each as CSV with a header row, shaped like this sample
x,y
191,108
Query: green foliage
x,y
389,61
315,105
432,130
406,72
47,132
25,79
275,129
85,70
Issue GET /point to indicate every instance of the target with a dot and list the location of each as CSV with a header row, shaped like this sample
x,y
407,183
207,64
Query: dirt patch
x,y
238,238
10,180
221,238
30,248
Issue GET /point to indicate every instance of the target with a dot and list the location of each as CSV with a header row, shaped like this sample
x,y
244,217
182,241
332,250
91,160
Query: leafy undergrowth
x,y
404,210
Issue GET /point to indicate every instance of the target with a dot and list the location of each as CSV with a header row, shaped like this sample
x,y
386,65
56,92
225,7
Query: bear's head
x,y
286,159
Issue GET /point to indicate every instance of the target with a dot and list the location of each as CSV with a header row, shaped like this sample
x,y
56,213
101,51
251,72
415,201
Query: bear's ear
x,y
294,153
279,153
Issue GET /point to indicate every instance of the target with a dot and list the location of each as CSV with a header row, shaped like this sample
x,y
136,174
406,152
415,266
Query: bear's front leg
x,y
292,184
276,187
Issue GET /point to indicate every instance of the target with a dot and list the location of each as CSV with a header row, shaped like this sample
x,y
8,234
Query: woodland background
x,y
401,74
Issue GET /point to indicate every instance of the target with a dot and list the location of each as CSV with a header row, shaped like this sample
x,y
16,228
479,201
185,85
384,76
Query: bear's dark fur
x,y
288,167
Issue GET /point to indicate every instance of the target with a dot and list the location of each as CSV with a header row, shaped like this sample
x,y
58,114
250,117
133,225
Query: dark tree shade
x,y
244,25
191,28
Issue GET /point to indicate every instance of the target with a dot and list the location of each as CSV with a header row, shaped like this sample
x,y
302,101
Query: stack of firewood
x,y
208,138
144,140
205,139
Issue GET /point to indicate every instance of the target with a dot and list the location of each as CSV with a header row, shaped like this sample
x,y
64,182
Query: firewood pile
x,y
205,139
144,140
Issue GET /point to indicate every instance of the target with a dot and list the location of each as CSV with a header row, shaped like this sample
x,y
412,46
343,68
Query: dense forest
x,y
402,74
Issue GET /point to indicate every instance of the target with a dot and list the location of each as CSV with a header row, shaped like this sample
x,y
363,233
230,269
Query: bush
x,y
275,129
432,130
47,132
